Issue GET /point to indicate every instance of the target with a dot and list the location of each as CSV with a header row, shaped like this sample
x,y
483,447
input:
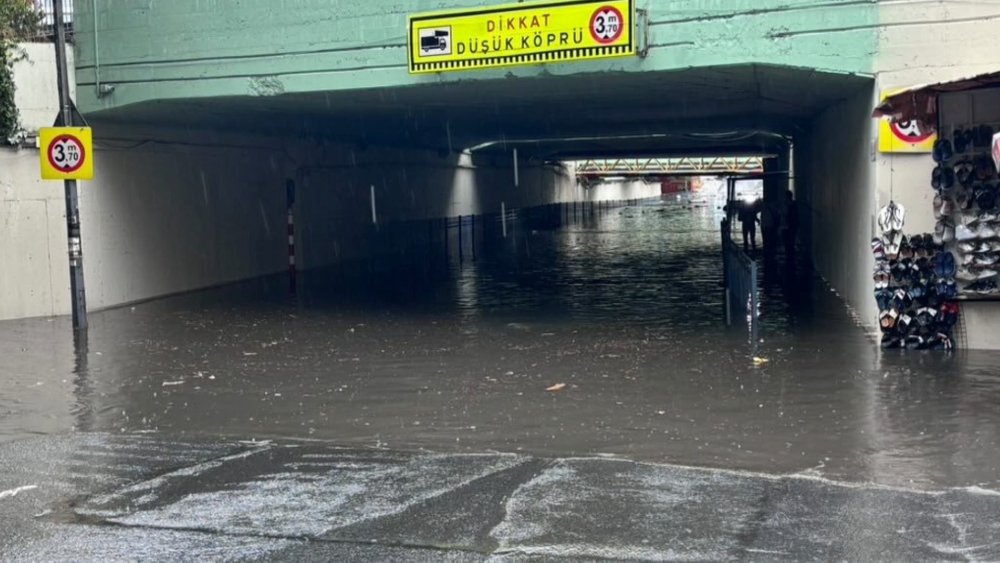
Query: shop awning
x,y
920,102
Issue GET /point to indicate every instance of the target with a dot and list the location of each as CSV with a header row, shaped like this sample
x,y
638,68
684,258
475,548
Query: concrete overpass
x,y
325,90
204,110
752,69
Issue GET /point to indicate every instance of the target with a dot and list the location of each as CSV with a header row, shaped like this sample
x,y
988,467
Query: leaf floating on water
x,y
556,387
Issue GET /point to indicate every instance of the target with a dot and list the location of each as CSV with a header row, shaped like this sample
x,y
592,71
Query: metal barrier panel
x,y
46,29
46,7
740,280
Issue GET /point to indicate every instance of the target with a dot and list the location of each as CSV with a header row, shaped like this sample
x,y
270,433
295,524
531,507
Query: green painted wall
x,y
155,49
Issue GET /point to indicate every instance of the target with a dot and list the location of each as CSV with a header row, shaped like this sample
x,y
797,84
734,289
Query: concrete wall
x,y
333,207
37,96
176,210
34,269
834,178
171,211
158,218
165,217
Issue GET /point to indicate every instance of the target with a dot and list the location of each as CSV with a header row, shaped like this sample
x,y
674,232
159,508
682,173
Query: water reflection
x,y
83,404
624,307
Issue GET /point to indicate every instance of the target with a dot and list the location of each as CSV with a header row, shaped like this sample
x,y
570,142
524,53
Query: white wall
x,y
34,268
834,185
333,208
923,41
36,94
171,211
158,218
162,218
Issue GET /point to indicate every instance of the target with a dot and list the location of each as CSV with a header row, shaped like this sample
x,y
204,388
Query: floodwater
x,y
624,308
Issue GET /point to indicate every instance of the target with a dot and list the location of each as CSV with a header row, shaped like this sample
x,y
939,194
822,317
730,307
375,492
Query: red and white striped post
x,y
290,201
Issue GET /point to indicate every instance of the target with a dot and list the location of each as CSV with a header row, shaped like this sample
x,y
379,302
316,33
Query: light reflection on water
x,y
624,307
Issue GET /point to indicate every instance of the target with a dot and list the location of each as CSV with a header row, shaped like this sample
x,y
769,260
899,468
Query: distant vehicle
x,y
436,42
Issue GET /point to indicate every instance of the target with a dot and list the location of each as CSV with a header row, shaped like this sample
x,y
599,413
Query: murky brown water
x,y
625,309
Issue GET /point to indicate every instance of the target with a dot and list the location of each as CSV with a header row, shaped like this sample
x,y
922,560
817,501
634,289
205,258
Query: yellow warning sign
x,y
904,136
518,34
67,153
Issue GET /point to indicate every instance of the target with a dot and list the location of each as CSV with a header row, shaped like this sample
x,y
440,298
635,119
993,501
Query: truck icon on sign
x,y
435,41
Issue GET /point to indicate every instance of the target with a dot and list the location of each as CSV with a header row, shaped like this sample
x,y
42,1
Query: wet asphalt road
x,y
667,442
108,497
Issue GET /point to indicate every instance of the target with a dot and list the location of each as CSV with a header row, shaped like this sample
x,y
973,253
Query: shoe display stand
x,y
967,208
915,287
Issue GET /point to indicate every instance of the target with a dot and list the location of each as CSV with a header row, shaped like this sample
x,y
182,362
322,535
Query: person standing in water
x,y
748,219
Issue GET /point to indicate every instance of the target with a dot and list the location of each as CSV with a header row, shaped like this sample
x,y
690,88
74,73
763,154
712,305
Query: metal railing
x,y
740,279
46,29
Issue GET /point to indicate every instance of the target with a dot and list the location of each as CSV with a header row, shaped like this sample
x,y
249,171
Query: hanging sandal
x,y
890,217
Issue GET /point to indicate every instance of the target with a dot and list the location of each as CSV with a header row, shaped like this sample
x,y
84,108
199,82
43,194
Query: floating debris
x,y
14,492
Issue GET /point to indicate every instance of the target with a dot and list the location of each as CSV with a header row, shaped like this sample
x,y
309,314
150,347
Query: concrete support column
x,y
775,187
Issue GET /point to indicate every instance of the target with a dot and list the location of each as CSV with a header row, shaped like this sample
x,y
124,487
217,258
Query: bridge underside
x,y
738,110
191,192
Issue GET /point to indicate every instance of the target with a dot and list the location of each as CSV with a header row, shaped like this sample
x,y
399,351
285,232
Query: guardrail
x,y
465,235
740,278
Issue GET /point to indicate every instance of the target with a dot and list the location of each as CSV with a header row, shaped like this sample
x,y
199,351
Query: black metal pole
x,y
77,287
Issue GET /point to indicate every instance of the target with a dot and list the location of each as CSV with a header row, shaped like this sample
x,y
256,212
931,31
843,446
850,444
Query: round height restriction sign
x,y
607,24
910,131
66,153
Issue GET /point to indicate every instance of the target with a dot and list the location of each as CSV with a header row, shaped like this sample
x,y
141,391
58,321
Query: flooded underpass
x,y
619,313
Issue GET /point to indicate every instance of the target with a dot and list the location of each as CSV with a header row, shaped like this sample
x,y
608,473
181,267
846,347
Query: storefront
x,y
946,282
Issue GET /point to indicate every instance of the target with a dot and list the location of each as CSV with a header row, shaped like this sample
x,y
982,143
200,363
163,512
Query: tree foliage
x,y
19,19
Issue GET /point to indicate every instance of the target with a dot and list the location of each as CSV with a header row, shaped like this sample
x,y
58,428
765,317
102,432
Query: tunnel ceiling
x,y
705,110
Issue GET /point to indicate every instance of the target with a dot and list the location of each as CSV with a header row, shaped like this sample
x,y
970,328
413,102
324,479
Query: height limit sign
x,y
66,153
607,24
